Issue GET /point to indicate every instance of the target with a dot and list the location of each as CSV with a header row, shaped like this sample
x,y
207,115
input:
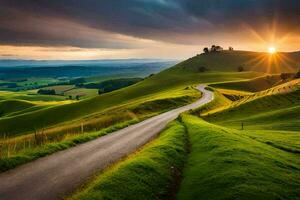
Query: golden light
x,y
272,50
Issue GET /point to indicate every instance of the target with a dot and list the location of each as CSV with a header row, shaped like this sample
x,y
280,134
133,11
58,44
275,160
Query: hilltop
x,y
249,61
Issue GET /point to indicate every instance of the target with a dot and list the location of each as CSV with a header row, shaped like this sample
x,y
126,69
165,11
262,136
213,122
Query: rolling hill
x,y
166,84
250,61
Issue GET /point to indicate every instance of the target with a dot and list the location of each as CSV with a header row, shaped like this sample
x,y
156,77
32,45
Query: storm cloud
x,y
116,24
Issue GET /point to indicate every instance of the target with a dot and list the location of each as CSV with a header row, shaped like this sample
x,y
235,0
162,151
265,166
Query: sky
x,y
171,29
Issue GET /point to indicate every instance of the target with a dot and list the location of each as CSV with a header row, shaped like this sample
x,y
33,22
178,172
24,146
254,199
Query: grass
x,y
37,150
60,89
274,109
147,174
251,61
10,106
82,92
16,147
29,95
167,84
227,164
253,85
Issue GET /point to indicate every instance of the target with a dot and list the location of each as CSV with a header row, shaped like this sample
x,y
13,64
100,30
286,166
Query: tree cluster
x,y
46,92
214,48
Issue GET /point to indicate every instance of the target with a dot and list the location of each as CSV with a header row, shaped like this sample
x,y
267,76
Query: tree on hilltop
x,y
206,50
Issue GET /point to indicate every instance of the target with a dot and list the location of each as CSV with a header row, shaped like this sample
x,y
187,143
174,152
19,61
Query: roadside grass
x,y
10,158
18,150
218,103
146,174
227,164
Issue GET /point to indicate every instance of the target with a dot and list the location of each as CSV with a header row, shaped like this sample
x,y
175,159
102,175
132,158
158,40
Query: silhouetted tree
x,y
230,48
215,48
206,50
46,92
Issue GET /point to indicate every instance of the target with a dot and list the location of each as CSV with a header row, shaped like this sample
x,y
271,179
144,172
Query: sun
x,y
272,50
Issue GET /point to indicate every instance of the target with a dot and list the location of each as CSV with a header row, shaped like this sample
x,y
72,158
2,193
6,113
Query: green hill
x,y
170,83
276,108
253,85
11,106
250,61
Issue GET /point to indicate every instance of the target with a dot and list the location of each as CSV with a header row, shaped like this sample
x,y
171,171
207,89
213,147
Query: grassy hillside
x,y
276,108
251,61
11,106
229,164
167,84
253,85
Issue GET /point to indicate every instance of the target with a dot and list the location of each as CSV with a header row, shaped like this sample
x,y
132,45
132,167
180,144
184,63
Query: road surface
x,y
61,173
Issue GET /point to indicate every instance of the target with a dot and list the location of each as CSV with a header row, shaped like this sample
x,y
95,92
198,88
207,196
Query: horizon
x,y
136,58
70,30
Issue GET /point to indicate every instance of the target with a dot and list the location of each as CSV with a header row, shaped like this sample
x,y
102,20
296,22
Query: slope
x,y
170,83
250,61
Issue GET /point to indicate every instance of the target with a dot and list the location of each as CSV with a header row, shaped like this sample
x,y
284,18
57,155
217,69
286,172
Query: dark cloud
x,y
89,23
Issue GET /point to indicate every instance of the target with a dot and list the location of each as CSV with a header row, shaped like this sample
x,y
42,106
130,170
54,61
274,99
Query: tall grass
x,y
12,158
18,150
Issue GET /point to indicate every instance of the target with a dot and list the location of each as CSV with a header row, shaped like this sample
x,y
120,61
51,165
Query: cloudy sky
x,y
97,29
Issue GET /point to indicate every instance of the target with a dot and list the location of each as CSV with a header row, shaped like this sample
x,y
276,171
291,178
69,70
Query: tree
x,y
46,92
241,69
215,48
206,50
230,48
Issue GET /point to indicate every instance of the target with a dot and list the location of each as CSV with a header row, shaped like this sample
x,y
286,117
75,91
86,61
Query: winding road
x,y
61,173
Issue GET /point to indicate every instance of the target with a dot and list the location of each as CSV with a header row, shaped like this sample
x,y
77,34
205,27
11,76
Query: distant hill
x,y
249,61
12,69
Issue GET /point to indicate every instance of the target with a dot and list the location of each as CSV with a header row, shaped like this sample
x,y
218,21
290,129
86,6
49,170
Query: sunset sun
x,y
272,50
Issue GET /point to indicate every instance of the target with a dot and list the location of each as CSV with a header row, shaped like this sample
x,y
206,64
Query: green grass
x,y
11,106
29,95
82,92
270,110
253,85
170,83
29,154
227,164
147,174
251,61
12,149
60,89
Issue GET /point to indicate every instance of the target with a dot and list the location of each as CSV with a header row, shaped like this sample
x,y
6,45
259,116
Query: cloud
x,y
127,24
